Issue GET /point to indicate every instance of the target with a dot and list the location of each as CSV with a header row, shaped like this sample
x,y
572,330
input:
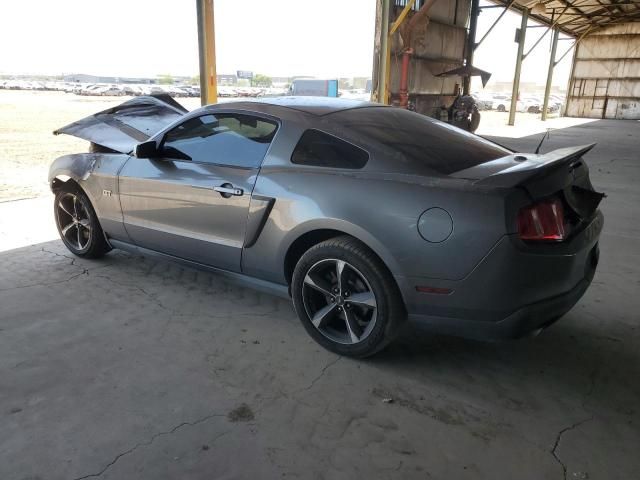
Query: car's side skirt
x,y
251,282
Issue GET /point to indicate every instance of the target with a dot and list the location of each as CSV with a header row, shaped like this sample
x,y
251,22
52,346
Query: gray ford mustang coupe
x,y
365,215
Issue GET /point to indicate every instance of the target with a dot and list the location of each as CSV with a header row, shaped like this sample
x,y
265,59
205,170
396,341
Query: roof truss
x,y
574,17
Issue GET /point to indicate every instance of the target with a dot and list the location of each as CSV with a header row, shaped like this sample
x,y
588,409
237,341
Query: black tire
x,y
501,108
365,274
78,224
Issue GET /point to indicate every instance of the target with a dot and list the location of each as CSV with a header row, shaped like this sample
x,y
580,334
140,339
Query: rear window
x,y
419,144
323,150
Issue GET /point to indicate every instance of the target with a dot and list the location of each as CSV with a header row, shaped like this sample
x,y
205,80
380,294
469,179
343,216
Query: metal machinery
x,y
416,39
428,39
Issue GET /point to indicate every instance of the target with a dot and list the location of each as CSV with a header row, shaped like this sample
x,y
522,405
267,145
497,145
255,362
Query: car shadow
x,y
575,361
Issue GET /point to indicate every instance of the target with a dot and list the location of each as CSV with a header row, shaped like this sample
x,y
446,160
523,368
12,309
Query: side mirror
x,y
147,149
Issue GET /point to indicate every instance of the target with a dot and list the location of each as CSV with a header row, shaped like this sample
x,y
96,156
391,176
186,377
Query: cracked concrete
x,y
319,376
150,441
559,438
111,369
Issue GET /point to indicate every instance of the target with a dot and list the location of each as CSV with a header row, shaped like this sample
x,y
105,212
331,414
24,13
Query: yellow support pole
x,y
207,52
403,14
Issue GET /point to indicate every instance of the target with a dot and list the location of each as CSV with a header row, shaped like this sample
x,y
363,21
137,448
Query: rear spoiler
x,y
540,174
122,127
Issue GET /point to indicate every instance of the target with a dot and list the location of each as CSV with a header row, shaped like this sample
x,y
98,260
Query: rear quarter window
x,y
323,150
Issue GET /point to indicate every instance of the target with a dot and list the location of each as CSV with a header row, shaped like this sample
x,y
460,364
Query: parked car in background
x,y
355,94
131,90
501,103
187,91
225,91
109,91
365,215
557,101
529,105
90,89
483,102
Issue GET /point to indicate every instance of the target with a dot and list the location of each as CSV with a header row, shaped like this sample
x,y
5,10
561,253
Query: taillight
x,y
542,222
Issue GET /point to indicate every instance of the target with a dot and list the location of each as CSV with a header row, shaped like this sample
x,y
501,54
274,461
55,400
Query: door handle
x,y
227,190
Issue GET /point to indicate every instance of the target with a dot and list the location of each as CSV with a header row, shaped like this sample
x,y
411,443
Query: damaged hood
x,y
122,127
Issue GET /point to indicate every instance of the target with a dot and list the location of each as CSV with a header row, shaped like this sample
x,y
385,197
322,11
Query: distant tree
x,y
165,79
260,80
195,80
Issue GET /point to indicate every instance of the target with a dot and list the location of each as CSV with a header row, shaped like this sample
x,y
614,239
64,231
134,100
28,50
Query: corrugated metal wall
x,y
605,80
438,47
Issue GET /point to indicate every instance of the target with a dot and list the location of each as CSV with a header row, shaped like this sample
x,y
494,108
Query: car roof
x,y
312,105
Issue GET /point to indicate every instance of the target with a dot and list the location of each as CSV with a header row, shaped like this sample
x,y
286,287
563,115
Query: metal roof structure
x,y
578,17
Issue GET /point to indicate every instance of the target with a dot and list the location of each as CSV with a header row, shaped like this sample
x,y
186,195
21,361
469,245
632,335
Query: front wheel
x,y
346,298
78,224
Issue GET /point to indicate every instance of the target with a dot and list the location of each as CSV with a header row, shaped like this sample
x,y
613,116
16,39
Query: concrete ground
x,y
129,367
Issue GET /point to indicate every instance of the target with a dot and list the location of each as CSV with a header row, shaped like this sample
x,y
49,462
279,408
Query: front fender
x,y
97,175
77,166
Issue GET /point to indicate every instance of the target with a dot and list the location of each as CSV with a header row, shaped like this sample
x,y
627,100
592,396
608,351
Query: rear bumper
x,y
525,321
514,291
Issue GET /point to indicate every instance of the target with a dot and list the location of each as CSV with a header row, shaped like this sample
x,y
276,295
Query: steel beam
x,y
578,40
506,8
516,75
384,59
551,27
471,43
537,41
552,64
207,52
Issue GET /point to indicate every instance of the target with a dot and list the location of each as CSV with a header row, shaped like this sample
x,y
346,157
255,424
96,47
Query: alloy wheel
x,y
74,221
339,301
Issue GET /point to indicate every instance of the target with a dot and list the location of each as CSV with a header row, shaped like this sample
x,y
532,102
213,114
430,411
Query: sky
x,y
331,38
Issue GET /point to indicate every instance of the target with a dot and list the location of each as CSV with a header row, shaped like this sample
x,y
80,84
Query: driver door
x,y
192,201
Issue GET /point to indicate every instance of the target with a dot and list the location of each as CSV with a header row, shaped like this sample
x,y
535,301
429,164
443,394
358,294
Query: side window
x,y
324,150
225,139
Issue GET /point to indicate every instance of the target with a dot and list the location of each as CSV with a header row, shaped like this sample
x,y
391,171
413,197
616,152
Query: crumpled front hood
x,y
122,127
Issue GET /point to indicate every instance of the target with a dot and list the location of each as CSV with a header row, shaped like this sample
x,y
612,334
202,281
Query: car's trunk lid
x,y
560,172
122,127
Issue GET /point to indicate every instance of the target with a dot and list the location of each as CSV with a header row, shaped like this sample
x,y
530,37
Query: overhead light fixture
x,y
539,8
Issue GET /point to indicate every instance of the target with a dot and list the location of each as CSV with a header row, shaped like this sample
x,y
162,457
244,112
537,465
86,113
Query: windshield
x,y
418,144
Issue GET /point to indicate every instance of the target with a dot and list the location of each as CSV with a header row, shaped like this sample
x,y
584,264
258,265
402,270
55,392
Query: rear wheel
x,y
346,298
78,224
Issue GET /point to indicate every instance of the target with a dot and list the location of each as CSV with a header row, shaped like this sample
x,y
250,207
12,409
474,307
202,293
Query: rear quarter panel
x,y
381,212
